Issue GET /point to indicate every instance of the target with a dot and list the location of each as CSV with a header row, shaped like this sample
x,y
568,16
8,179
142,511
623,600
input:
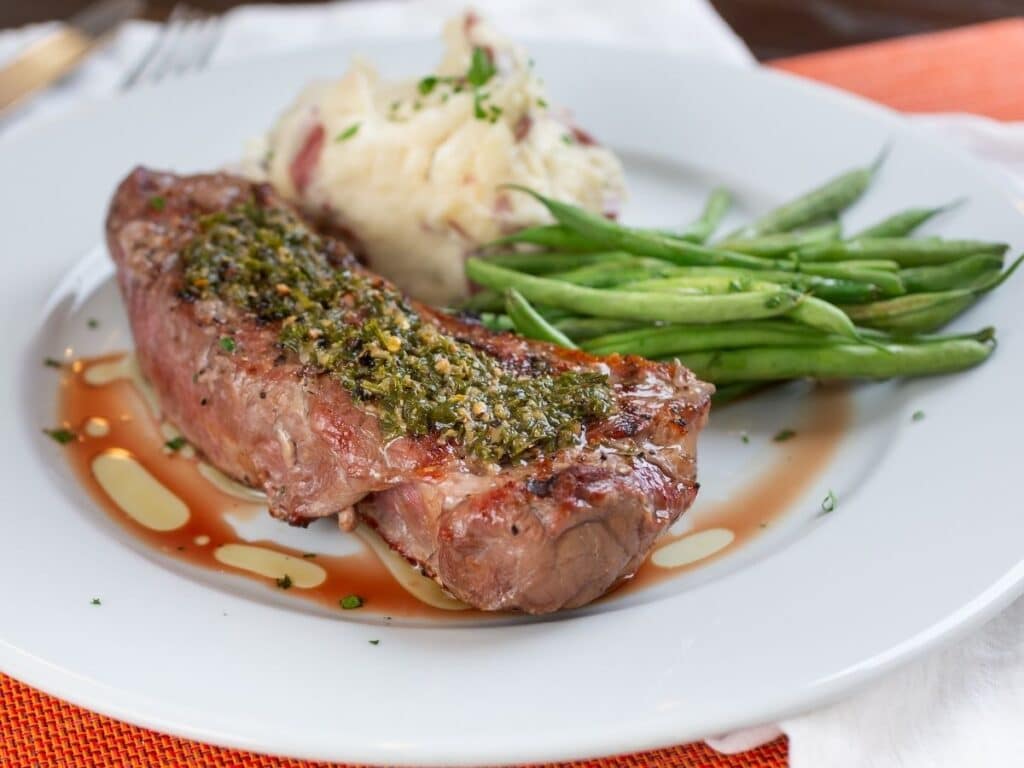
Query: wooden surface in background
x,y
772,28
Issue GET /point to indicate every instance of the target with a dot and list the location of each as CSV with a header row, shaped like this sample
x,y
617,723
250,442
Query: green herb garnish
x,y
176,443
829,502
783,435
285,582
481,67
92,323
373,642
157,203
95,601
567,139
52,362
227,344
745,437
351,602
61,435
343,322
348,133
425,86
309,555
918,416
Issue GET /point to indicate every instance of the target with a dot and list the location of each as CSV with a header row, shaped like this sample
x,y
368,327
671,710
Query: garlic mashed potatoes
x,y
412,170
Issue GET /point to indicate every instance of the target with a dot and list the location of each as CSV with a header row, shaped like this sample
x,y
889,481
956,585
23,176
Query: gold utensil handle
x,y
41,64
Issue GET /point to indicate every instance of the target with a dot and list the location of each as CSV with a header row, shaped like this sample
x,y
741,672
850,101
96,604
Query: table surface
x,y
914,74
772,28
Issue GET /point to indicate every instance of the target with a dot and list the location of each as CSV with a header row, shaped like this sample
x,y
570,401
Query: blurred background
x,y
771,28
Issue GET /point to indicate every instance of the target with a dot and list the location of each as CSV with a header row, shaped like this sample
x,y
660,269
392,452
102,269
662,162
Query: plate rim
x,y
70,687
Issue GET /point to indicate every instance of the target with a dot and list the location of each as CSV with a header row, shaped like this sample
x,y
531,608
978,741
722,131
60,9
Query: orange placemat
x,y
976,69
39,731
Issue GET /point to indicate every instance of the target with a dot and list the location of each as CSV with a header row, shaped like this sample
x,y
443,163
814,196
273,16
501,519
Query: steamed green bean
x,y
676,339
908,252
715,208
962,273
529,323
781,243
823,202
905,222
634,305
853,361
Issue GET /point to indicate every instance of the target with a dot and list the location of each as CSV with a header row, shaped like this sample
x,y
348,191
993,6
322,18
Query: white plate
x,y
925,542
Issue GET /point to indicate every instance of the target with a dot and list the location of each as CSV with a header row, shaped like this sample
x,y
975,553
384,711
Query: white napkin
x,y
962,705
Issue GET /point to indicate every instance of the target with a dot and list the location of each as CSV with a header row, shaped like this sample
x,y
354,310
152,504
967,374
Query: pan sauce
x,y
159,491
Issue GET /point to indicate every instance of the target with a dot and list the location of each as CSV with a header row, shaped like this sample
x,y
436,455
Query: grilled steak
x,y
501,522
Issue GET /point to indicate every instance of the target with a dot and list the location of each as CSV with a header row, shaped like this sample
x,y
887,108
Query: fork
x,y
185,44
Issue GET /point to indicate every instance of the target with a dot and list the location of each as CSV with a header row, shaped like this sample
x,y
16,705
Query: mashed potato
x,y
412,169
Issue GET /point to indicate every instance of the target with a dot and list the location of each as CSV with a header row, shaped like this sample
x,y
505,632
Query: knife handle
x,y
41,64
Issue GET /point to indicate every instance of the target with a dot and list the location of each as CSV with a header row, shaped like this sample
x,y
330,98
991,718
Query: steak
x,y
547,530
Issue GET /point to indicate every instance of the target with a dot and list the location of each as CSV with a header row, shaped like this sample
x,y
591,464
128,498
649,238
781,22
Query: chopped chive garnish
x,y
52,362
481,68
62,436
227,344
93,323
918,416
158,202
374,642
285,582
95,601
783,435
176,443
348,133
350,602
829,502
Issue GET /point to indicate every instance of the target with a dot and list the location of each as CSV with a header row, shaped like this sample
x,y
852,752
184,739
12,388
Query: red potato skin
x,y
537,536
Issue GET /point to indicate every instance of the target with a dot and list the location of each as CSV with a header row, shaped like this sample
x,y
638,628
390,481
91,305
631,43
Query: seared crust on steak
x,y
537,536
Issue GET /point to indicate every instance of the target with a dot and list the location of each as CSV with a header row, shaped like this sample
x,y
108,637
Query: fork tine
x,y
204,36
164,59
214,29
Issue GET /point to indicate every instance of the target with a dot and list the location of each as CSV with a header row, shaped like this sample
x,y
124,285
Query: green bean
x,y
728,393
676,339
546,262
831,289
903,223
496,322
633,305
609,276
608,235
907,251
830,268
958,274
821,202
824,316
582,328
914,313
924,312
717,205
811,311
891,284
854,361
549,236
781,243
529,323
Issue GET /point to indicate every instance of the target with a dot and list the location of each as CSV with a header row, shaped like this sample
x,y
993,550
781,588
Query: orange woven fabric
x,y
39,731
977,69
